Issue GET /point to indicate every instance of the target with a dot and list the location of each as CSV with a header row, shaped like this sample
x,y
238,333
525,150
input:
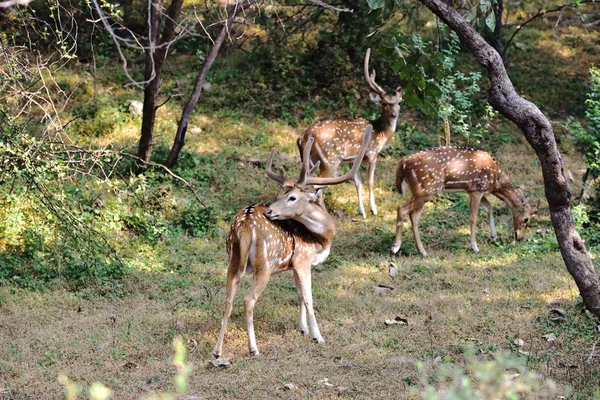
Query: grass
x,y
453,300
121,333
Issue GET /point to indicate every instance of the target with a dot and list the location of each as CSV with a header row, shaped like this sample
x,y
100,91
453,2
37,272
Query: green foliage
x,y
98,117
588,139
434,85
44,237
503,377
199,221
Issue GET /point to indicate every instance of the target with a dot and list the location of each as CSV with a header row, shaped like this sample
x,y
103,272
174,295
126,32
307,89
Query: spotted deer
x,y
338,140
428,172
293,233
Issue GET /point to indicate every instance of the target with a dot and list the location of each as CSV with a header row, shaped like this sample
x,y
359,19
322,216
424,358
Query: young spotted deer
x,y
457,169
338,140
293,233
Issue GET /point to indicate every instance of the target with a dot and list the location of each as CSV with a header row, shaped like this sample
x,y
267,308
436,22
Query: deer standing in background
x,y
457,169
338,140
294,233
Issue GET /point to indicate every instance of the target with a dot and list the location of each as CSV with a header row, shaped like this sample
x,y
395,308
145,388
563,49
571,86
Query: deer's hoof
x,y
216,355
303,332
395,248
319,340
254,353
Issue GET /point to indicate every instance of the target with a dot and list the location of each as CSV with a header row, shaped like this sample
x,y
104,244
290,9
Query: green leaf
x,y
375,4
490,21
470,17
485,5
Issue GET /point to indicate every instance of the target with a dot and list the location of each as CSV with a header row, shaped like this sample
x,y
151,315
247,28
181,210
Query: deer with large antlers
x,y
293,233
338,140
428,172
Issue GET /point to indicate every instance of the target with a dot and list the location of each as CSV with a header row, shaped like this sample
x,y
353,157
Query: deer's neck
x,y
384,125
508,193
319,224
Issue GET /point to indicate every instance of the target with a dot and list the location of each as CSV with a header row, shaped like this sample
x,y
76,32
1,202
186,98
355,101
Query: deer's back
x,y
449,168
336,140
271,244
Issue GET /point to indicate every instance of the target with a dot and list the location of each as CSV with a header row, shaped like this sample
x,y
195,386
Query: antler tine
x,y
304,171
371,78
277,178
355,165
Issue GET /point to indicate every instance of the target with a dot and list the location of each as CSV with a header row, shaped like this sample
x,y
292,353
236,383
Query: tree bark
x,y
195,96
538,132
155,57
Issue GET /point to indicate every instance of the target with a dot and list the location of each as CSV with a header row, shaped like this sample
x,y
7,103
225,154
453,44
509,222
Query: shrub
x,y
588,139
199,221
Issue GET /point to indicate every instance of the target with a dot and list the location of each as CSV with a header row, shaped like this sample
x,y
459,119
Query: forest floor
x,y
459,306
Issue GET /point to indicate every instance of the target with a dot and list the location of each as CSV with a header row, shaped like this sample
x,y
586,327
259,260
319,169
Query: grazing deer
x,y
338,140
457,169
294,233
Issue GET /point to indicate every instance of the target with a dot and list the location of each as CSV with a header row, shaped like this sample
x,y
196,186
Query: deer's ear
x,y
526,198
313,195
375,97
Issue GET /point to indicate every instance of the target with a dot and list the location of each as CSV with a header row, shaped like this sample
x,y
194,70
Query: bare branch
x,y
10,3
321,3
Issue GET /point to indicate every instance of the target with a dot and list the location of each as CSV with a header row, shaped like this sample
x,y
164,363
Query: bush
x,y
199,221
588,139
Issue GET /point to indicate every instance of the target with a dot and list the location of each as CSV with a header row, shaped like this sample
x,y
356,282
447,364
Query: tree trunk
x,y
195,96
538,132
155,57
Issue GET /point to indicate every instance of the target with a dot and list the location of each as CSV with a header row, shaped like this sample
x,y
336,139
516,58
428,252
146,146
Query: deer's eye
x,y
292,198
525,220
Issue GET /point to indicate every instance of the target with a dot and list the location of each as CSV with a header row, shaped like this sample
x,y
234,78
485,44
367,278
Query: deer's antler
x,y
371,78
279,178
347,176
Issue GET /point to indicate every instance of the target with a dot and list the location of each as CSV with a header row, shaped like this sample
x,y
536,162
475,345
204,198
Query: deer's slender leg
x,y
261,278
399,227
474,202
415,215
302,325
358,184
302,275
372,165
488,206
233,280
325,171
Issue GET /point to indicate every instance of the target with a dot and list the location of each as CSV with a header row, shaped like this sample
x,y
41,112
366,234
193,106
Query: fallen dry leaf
x,y
325,382
519,342
399,320
290,387
220,362
382,289
557,315
393,270
551,337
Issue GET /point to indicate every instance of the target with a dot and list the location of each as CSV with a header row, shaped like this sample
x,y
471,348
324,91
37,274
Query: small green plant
x,y
502,377
199,221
